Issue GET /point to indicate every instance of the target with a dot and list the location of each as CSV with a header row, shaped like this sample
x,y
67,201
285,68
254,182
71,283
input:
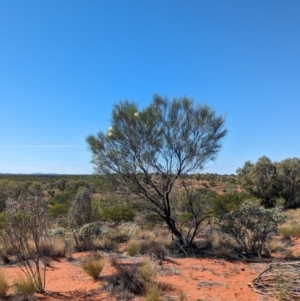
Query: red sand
x,y
192,279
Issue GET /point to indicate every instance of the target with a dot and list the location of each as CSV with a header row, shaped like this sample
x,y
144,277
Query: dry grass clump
x,y
24,287
56,248
154,292
93,265
134,279
3,286
223,246
133,247
156,243
290,230
106,244
292,226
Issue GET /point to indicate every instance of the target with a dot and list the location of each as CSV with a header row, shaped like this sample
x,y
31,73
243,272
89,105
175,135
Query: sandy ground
x,y
191,279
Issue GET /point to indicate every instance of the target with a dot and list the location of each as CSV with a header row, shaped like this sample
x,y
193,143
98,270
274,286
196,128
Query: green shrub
x,y
59,209
93,265
228,202
24,287
250,225
117,214
3,286
62,198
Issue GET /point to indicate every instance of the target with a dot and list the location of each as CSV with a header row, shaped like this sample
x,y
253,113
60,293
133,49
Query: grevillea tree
x,y
150,152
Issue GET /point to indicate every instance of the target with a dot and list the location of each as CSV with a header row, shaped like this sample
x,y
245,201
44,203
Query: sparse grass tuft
x,y
133,247
3,286
93,265
153,292
24,287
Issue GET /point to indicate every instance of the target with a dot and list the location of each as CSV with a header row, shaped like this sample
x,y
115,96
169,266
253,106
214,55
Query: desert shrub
x,y
86,235
3,286
93,265
26,230
55,248
250,225
62,198
59,209
119,237
133,247
24,287
223,245
59,231
228,202
80,215
107,244
154,247
117,214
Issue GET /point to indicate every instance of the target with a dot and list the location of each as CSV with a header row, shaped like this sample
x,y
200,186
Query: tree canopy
x,y
147,151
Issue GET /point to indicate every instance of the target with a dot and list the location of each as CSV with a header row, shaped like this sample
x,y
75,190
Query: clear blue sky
x,y
64,63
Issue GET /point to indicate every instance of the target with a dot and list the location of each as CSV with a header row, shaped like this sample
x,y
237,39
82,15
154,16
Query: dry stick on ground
x,y
280,280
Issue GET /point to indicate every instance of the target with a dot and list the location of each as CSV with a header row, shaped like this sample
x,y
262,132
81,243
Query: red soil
x,y
191,279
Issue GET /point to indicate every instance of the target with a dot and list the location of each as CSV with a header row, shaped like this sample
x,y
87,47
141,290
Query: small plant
x,y
93,265
182,296
133,279
133,247
24,287
153,292
3,286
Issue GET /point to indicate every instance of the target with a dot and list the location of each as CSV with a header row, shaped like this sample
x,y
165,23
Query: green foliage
x,y
260,180
62,198
117,214
3,286
269,181
24,287
227,202
59,209
251,225
288,173
145,152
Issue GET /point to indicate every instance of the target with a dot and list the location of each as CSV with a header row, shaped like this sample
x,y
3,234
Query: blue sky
x,y
63,64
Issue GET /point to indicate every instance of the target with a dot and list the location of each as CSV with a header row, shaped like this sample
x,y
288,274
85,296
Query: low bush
x,y
59,209
251,225
154,247
93,265
224,246
24,287
3,286
227,202
117,214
